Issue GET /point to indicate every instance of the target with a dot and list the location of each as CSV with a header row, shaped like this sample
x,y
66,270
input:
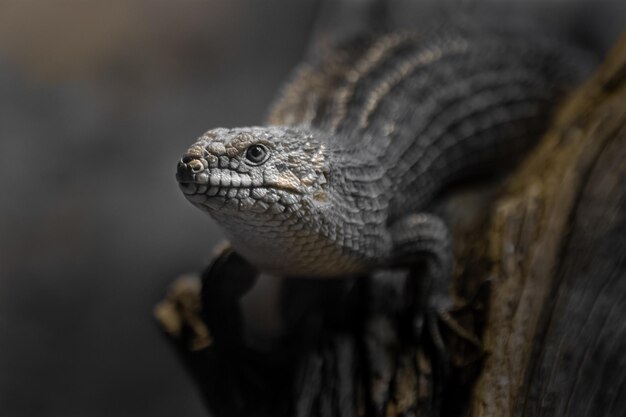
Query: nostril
x,y
196,166
187,159
183,172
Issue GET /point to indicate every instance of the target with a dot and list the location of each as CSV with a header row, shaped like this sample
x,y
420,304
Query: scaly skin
x,y
362,139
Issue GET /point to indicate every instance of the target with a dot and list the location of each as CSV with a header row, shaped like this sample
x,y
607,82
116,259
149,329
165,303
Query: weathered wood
x,y
555,332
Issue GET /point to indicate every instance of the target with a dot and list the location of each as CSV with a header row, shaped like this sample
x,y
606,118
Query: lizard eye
x,y
257,154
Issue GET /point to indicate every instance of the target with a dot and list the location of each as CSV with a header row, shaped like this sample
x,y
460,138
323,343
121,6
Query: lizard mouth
x,y
194,188
194,176
216,184
196,180
225,189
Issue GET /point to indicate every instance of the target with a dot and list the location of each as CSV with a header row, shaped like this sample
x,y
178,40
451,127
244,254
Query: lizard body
x,y
362,138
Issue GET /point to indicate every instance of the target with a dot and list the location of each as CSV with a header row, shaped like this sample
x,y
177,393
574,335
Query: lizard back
x,y
434,107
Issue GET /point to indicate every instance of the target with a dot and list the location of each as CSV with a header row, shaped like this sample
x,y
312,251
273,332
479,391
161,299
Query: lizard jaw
x,y
219,189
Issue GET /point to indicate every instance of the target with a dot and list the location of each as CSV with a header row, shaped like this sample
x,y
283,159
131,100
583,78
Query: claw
x,y
459,330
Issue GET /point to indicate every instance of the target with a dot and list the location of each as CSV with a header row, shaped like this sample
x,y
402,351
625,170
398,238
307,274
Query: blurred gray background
x,y
97,102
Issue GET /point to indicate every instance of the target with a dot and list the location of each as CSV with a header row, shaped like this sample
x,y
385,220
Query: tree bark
x,y
555,331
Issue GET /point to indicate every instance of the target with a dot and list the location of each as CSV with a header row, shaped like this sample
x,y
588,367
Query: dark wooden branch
x,y
541,275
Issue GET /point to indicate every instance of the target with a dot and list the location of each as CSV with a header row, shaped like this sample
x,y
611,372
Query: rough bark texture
x,y
555,331
541,265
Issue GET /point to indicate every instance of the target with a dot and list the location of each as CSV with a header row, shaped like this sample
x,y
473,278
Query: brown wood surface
x,y
556,327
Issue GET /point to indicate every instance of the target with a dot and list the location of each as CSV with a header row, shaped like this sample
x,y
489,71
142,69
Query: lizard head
x,y
256,170
257,183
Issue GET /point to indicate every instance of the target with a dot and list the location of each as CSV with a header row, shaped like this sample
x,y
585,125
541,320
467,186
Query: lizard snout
x,y
187,169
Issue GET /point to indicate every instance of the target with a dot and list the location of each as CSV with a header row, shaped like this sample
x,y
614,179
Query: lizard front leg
x,y
423,244
424,239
